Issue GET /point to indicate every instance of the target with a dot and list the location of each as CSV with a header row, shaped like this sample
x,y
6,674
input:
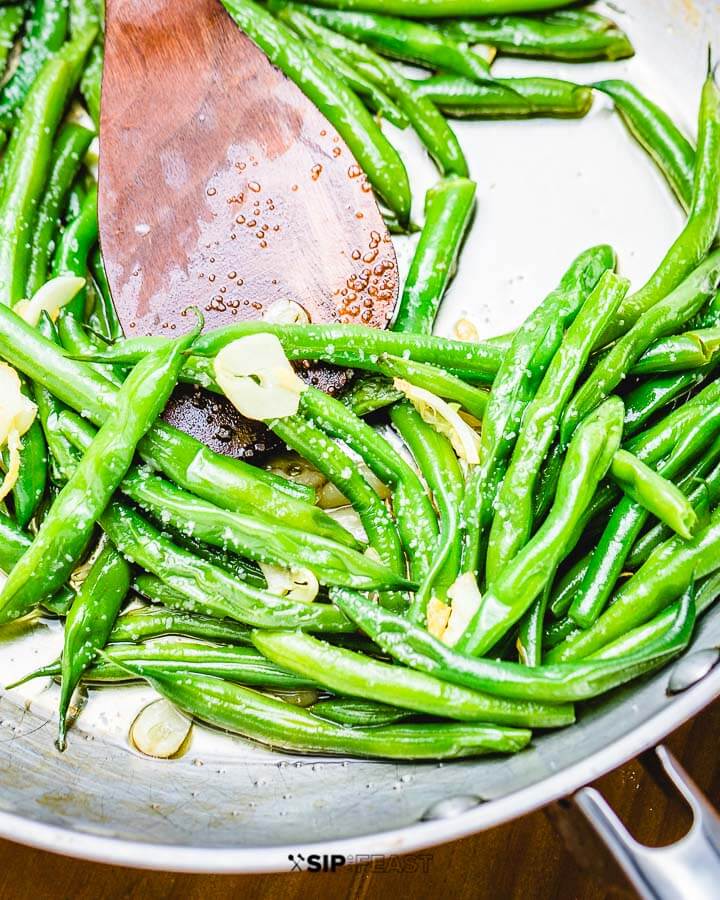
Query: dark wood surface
x,y
223,187
525,859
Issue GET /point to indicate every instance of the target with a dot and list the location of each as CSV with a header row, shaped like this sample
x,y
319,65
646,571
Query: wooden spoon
x,y
223,187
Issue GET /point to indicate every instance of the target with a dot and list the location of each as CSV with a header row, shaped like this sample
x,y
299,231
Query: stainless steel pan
x,y
546,190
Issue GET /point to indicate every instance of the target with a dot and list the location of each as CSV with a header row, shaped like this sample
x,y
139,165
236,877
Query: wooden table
x,y
525,859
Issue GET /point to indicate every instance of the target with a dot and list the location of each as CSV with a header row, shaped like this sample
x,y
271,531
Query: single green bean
x,y
349,711
449,207
441,470
414,647
656,494
657,133
355,675
150,622
506,98
701,229
430,9
89,623
545,37
437,381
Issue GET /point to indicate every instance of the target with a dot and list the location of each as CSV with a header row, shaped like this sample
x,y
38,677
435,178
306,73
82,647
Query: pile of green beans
x,y
529,521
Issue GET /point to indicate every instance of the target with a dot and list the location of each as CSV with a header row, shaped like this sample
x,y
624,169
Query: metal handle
x,y
688,868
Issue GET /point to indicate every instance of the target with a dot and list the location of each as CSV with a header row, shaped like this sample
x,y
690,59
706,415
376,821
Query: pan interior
x,y
546,190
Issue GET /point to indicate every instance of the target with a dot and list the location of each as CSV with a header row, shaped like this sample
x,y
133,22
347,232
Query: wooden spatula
x,y
222,186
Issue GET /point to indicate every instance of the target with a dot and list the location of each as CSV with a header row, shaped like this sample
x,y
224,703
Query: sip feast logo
x,y
316,862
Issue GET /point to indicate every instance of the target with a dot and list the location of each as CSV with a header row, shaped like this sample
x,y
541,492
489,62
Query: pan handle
x,y
688,868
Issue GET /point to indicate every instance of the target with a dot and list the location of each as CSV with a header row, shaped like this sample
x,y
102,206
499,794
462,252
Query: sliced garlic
x,y
160,730
444,418
17,414
51,298
256,376
295,584
465,330
350,521
286,312
465,596
329,497
438,614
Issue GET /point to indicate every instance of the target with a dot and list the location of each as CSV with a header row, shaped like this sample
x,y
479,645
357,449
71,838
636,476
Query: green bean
x,y
664,318
26,167
307,440
530,631
517,379
90,82
513,520
200,586
405,40
657,133
355,675
368,393
149,622
13,543
693,243
45,34
31,482
666,574
449,207
511,594
241,665
11,20
89,623
437,381
338,103
349,711
343,345
422,9
84,14
413,646
375,98
506,98
706,596
427,121
438,463
649,397
680,352
546,37
414,514
111,329
287,727
229,483
68,150
66,530
656,494
628,520
703,484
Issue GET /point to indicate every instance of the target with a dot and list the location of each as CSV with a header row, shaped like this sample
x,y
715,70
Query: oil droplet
x,y
336,151
294,187
316,171
254,187
211,191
